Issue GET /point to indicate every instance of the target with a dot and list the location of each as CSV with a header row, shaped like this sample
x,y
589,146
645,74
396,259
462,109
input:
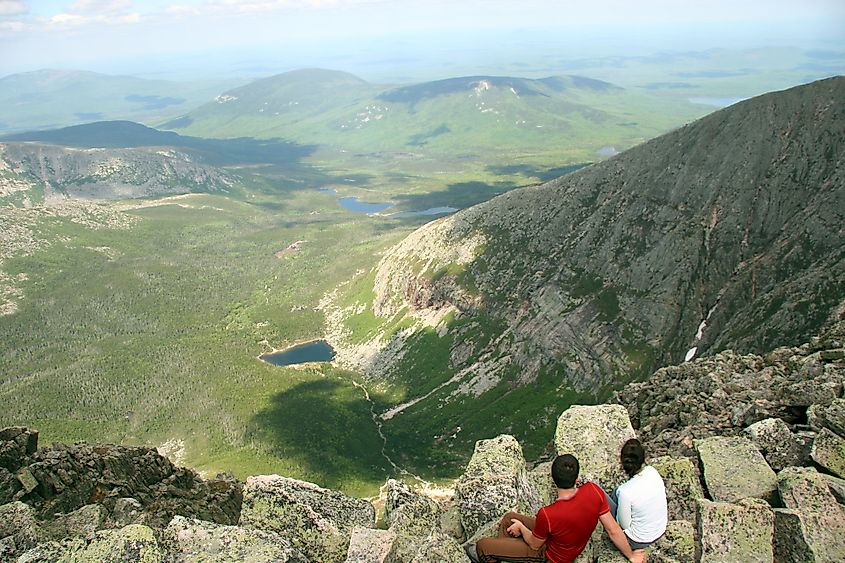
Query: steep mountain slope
x,y
456,115
726,233
53,98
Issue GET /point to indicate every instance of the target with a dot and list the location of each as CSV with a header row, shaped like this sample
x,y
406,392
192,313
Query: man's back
x,y
567,524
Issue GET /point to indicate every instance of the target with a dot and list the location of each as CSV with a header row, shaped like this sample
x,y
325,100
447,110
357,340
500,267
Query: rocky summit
x,y
724,234
758,475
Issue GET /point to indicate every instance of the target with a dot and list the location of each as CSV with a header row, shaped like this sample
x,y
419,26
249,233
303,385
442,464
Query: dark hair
x,y
565,469
633,456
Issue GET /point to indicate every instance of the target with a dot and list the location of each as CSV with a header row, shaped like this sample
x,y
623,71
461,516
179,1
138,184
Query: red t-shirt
x,y
567,525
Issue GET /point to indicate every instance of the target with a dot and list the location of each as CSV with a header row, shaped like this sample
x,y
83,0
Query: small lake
x,y
316,351
352,204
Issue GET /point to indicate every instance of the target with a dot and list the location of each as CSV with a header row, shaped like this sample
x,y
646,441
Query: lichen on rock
x,y
495,481
317,521
733,468
595,435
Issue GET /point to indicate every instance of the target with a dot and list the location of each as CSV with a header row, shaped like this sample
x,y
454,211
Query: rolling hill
x,y
726,233
456,116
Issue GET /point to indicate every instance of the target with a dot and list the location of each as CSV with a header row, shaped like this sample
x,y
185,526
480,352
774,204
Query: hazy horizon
x,y
391,40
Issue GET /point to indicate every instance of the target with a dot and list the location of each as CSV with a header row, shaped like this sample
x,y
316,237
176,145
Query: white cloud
x,y
69,20
181,9
12,8
11,25
100,7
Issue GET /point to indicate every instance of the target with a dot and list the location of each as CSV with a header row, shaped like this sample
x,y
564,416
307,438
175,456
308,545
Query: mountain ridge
x,y
705,238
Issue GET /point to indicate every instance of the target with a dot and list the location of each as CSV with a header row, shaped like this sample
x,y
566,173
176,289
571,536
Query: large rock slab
x,y
541,478
193,541
317,521
820,519
836,487
733,468
682,486
829,452
368,545
677,545
9,486
436,547
408,512
495,481
84,522
776,442
790,545
594,435
16,444
735,533
131,544
19,530
831,416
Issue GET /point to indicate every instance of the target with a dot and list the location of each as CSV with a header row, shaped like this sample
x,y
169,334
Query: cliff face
x,y
726,233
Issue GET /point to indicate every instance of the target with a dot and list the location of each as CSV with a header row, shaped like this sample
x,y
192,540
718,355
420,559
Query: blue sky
x,y
103,34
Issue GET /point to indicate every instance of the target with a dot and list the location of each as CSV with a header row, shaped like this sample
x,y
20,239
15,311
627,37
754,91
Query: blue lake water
x,y
352,204
316,351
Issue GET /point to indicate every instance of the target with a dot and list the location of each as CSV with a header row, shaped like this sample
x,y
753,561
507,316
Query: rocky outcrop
x,y
683,487
724,394
735,533
595,434
495,481
734,468
317,521
776,442
408,512
368,545
813,518
64,478
195,541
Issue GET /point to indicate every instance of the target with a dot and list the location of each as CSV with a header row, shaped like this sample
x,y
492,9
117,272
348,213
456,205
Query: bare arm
x,y
617,536
519,529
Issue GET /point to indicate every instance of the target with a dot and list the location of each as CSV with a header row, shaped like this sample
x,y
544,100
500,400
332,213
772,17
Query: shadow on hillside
x,y
127,134
460,195
542,173
325,427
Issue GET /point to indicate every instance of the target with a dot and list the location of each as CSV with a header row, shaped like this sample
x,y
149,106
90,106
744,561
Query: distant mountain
x,y
31,173
48,99
456,116
726,233
128,134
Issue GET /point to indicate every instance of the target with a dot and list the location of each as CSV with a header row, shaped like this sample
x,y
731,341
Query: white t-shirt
x,y
641,508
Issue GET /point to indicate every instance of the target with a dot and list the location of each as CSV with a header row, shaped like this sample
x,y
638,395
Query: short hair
x,y
632,456
565,469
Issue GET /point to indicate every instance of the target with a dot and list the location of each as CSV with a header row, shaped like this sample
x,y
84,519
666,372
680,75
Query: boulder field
x,y
752,451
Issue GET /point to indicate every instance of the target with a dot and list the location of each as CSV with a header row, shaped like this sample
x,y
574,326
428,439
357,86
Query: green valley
x,y
143,271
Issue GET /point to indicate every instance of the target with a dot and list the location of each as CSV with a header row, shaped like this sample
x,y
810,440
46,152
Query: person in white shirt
x,y
639,504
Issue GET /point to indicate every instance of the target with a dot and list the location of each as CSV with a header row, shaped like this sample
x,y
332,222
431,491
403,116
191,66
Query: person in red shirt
x,y
561,530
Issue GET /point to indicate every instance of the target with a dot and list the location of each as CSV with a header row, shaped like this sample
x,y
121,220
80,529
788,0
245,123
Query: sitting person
x,y
639,504
561,530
